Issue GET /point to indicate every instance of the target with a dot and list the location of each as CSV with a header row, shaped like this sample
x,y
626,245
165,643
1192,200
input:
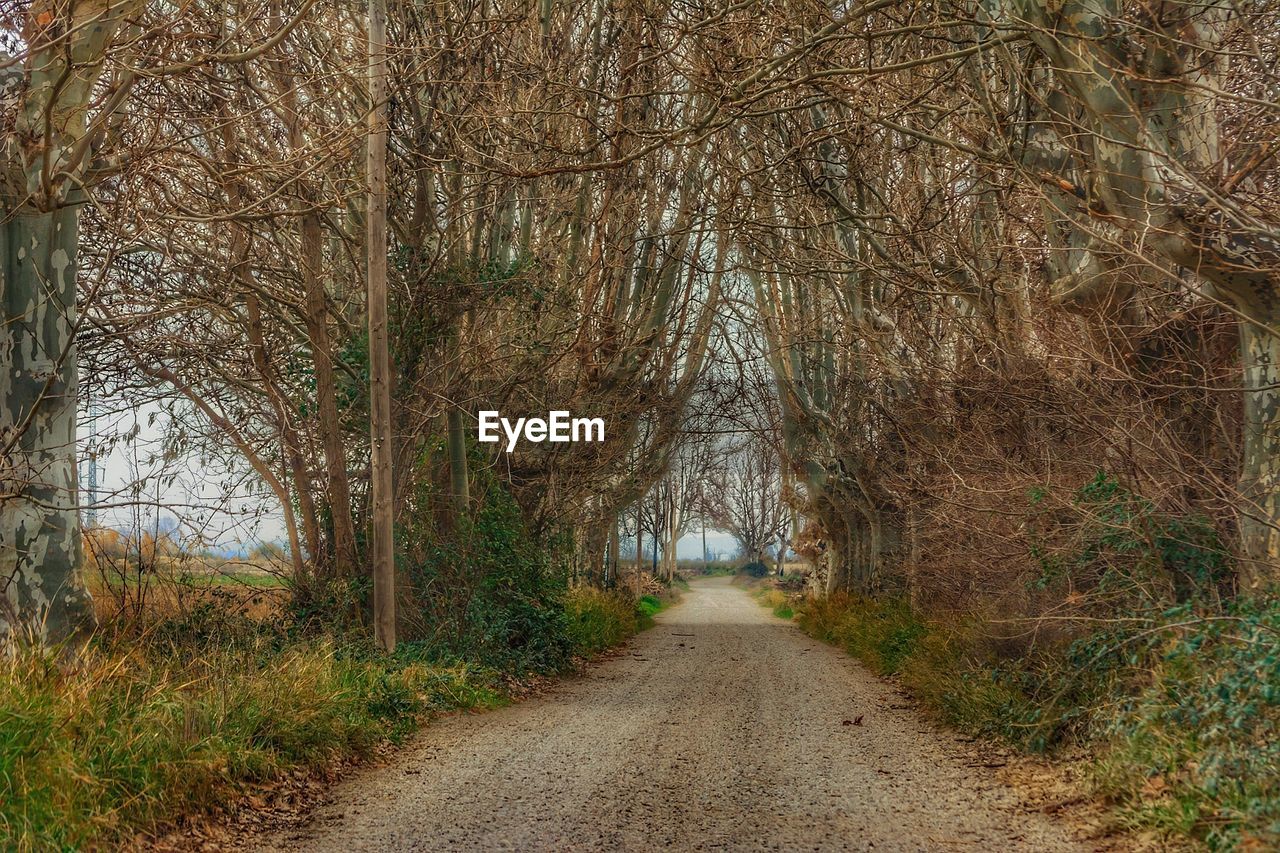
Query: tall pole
x,y
91,511
384,578
639,540
655,532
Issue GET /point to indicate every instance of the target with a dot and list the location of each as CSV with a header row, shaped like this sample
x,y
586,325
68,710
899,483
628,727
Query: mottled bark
x,y
1149,167
1260,476
839,550
41,589
42,592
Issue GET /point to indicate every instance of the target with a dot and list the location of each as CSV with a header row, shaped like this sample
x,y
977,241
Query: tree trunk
x,y
671,555
381,449
458,477
1260,476
615,549
594,548
658,518
884,548
42,590
335,455
913,555
865,555
294,464
839,551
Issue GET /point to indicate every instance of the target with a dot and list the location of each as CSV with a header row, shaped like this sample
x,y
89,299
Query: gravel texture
x,y
722,728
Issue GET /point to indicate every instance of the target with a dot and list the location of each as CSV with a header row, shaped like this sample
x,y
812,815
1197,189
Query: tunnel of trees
x,y
950,284
960,317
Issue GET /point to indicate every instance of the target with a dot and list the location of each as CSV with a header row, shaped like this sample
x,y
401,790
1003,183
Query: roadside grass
x,y
776,600
1180,717
600,619
649,606
130,736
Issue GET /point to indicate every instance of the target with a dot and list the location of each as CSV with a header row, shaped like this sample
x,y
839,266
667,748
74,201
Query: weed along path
x,y
722,727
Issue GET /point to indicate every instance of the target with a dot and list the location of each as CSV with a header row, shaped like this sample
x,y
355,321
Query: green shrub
x,y
1117,544
489,590
132,736
1196,749
755,569
647,607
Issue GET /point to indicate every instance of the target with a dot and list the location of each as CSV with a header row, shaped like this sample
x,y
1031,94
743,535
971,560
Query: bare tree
x,y
747,501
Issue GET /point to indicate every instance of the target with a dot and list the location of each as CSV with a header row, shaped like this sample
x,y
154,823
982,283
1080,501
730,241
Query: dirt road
x,y
720,728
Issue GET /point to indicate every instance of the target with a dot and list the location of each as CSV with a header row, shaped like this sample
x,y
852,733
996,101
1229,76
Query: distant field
x,y
174,585
260,580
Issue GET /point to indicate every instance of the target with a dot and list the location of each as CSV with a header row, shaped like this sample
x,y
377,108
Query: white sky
x,y
221,507
215,504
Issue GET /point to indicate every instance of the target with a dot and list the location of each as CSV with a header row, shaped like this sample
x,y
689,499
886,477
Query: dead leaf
x,y
1154,787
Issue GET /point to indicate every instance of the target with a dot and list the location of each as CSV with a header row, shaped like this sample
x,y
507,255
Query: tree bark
x,y
838,555
615,549
337,484
42,591
294,462
1260,475
674,538
381,448
458,477
594,547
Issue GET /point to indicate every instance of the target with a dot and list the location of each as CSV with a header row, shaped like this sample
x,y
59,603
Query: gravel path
x,y
721,728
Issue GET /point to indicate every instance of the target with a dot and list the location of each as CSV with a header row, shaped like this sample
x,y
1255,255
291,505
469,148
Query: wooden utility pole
x,y
704,544
384,567
639,540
